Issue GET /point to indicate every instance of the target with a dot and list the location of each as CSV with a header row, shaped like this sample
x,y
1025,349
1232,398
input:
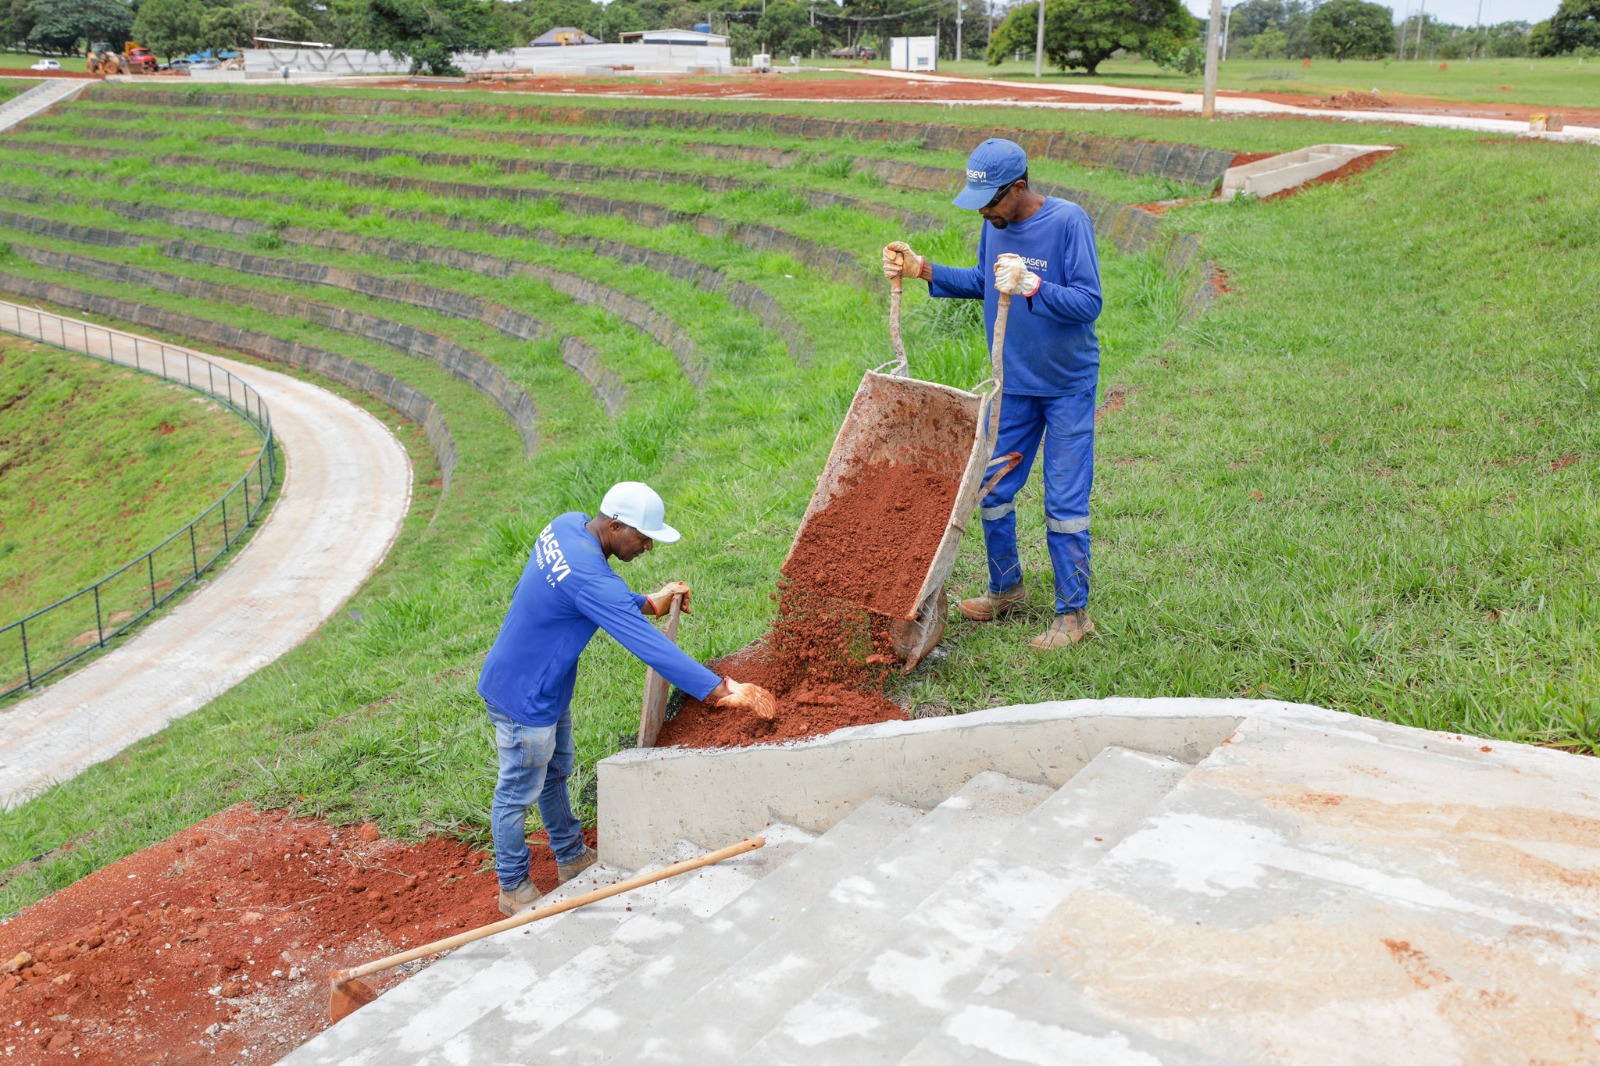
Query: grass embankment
x,y
1359,482
101,463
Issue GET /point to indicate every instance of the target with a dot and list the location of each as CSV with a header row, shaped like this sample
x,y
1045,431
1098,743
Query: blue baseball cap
x,y
993,165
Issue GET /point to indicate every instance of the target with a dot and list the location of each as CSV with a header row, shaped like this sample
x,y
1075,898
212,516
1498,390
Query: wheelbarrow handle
x,y
902,368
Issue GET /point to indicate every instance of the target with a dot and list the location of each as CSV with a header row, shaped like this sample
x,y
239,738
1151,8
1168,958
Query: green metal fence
x,y
46,641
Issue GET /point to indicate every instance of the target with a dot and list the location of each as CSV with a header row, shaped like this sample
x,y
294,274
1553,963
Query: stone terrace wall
x,y
1186,163
409,401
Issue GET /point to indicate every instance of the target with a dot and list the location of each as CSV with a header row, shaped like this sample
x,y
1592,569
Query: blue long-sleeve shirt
x,y
567,591
1051,348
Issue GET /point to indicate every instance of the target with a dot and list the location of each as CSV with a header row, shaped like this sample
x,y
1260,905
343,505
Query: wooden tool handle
x,y
637,881
902,367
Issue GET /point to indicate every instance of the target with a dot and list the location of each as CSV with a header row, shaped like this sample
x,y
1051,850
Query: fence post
x,y
246,483
27,664
99,626
150,559
227,540
194,553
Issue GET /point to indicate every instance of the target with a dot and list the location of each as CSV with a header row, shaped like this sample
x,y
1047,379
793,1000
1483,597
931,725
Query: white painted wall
x,y
571,59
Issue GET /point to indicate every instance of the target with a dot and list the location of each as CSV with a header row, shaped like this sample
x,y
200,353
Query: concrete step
x,y
888,999
417,1019
37,100
735,1006
703,950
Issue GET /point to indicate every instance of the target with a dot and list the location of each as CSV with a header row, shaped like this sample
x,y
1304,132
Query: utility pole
x,y
1422,9
1038,49
1227,21
1477,32
1208,101
958,30
1405,19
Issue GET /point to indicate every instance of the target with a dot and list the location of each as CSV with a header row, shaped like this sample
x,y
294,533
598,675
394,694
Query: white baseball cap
x,y
636,504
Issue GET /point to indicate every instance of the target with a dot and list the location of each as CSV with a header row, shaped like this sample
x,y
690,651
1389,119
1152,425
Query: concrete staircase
x,y
39,99
784,955
1312,888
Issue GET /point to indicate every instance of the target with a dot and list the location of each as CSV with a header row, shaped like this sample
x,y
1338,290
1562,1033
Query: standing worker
x,y
567,591
1042,249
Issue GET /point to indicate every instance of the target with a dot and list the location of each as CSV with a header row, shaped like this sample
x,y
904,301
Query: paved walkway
x,y
1237,105
344,496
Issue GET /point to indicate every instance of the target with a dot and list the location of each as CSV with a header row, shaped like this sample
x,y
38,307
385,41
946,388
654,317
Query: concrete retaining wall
x,y
408,340
1186,163
408,400
649,798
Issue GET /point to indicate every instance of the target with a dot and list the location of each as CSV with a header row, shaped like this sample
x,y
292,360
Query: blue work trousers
x,y
1066,425
534,764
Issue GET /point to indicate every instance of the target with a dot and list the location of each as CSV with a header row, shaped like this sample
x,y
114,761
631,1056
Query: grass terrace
x,y
1361,480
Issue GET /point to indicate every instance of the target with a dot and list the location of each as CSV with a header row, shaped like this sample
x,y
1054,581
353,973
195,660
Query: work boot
x,y
566,871
516,900
992,605
1067,629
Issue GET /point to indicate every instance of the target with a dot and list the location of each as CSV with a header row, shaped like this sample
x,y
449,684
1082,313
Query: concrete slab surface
x,y
344,497
1329,895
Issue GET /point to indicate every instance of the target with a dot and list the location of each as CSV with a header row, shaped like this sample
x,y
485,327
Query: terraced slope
x,y
555,307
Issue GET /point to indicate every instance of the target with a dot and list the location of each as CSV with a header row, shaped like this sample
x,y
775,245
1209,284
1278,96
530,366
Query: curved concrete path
x,y
345,493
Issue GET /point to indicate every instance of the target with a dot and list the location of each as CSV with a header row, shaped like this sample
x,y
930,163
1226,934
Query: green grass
x,y
25,60
106,462
1363,481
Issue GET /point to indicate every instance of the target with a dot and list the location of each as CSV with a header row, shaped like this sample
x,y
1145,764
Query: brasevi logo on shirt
x,y
551,559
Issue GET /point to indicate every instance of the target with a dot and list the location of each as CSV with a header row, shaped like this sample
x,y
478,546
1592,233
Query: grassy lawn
x,y
25,60
101,463
10,87
1363,480
1558,82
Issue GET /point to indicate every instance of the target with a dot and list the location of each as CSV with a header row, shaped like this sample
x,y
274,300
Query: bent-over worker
x,y
567,591
1041,249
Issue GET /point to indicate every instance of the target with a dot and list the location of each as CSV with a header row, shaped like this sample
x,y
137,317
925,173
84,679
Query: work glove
x,y
899,261
1012,275
659,602
753,698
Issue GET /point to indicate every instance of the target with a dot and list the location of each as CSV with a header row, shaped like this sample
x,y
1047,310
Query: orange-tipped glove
x,y
899,261
659,602
753,698
1012,275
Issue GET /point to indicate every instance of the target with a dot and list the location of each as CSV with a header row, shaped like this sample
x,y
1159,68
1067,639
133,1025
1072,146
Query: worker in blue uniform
x,y
567,591
1039,249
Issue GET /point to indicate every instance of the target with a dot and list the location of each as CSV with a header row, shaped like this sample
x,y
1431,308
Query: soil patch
x,y
775,87
1351,101
217,943
859,563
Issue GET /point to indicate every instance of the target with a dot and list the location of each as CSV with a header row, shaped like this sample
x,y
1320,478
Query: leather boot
x,y
992,605
1066,630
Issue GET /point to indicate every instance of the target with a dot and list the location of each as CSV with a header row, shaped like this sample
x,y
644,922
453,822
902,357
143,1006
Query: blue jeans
x,y
1066,424
534,764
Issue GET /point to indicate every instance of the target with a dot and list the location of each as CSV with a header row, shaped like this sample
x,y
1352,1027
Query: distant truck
x,y
133,59
854,51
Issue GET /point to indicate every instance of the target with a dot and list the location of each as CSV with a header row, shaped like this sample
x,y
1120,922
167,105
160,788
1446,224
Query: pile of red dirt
x,y
1351,101
217,943
828,656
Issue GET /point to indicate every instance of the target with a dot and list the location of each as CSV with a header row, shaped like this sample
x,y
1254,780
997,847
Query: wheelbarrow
x,y
896,418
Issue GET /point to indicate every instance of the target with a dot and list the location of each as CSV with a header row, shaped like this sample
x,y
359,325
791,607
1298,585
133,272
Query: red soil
x,y
860,562
773,87
218,942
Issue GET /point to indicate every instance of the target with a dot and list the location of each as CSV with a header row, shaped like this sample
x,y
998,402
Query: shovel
x,y
347,993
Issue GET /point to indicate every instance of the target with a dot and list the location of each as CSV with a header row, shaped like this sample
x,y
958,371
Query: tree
x,y
238,24
60,25
786,30
170,27
429,32
1576,24
1352,28
1082,34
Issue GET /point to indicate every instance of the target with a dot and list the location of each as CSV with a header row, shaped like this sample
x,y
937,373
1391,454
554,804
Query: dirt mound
x,y
217,943
827,657
1352,101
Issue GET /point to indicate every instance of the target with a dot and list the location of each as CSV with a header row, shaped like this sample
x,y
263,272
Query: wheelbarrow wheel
x,y
914,639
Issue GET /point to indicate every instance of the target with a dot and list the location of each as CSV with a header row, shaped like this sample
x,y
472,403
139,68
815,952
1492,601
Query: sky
x,y
1459,12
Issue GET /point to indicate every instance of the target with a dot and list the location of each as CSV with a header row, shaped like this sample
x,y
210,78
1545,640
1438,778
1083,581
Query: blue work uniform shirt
x,y
1051,348
567,591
